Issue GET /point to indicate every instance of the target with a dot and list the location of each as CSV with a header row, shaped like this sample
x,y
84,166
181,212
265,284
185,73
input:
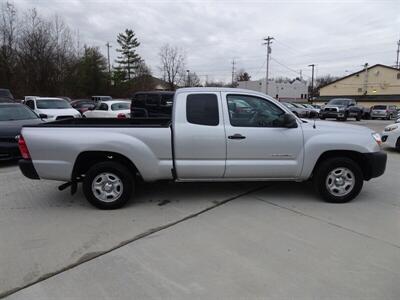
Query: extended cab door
x,y
258,146
199,135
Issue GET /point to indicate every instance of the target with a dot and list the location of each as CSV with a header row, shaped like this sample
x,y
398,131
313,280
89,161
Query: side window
x,y
140,100
167,100
103,106
251,111
30,104
202,109
152,100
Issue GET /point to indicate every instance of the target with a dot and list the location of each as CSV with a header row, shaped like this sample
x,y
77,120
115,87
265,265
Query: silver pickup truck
x,y
215,134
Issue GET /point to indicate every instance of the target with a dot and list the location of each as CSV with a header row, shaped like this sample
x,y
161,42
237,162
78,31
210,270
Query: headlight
x,y
391,128
377,138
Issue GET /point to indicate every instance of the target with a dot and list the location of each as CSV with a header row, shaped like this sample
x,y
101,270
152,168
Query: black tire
x,y
120,172
324,168
398,144
322,117
358,117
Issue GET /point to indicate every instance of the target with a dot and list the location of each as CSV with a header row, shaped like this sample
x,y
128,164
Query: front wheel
x,y
338,179
108,185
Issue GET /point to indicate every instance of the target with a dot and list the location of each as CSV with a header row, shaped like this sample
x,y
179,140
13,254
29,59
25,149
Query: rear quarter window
x,y
202,109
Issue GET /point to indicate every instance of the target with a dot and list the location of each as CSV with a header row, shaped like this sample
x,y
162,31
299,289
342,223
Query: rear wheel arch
x,y
87,159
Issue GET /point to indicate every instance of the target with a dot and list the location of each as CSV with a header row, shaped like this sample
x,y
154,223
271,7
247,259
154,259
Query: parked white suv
x,y
391,136
52,109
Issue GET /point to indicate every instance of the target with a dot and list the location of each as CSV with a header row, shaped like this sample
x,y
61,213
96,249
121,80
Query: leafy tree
x,y
129,58
92,71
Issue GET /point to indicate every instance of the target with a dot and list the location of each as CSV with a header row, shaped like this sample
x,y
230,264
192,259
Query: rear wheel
x,y
338,179
108,185
358,117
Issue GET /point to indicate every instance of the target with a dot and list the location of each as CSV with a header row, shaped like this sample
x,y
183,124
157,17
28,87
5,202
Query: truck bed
x,y
107,122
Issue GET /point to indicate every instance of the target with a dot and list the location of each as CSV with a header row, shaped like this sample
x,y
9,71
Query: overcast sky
x,y
337,36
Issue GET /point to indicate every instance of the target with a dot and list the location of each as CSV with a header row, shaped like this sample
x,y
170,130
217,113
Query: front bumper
x,y
28,169
375,164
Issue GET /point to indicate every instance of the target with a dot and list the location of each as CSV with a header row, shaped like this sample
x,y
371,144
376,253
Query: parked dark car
x,y
341,109
157,104
83,105
12,117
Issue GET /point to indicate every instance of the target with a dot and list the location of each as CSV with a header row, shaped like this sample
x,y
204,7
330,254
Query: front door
x,y
258,146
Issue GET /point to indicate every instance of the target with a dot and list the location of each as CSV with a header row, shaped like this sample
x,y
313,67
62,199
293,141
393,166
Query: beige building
x,y
378,84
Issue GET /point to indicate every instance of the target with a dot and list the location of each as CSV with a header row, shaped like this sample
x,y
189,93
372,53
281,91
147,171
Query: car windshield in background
x,y
120,106
298,105
288,105
52,104
382,107
16,112
339,102
5,94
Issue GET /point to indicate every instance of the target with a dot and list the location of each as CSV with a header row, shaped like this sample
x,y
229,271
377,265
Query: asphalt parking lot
x,y
179,241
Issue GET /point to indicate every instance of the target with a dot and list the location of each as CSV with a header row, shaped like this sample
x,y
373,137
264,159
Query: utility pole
x,y
398,51
268,42
312,82
233,71
366,79
108,58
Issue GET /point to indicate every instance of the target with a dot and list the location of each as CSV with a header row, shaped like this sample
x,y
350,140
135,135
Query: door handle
x,y
236,136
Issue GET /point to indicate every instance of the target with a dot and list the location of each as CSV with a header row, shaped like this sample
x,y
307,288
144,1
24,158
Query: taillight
x,y
121,116
23,148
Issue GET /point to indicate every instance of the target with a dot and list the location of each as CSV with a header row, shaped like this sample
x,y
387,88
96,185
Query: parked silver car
x,y
383,111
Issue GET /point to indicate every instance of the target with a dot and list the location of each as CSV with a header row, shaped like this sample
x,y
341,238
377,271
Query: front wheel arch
x,y
357,157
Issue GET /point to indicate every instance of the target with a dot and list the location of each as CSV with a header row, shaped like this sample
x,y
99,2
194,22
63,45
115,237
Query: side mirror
x,y
289,121
43,116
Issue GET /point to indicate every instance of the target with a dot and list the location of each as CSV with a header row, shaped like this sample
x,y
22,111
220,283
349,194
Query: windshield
x,y
16,112
339,102
288,105
298,105
120,106
379,107
52,104
5,93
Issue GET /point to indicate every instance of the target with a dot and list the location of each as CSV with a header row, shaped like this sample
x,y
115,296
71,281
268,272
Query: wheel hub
x,y
107,187
340,181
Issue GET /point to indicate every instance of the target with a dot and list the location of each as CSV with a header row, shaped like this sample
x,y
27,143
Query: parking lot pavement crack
x,y
92,255
327,222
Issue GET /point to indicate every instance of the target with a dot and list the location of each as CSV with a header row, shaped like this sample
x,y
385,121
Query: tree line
x,y
42,56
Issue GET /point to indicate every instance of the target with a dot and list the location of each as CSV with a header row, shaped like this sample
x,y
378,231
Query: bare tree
x,y
172,65
8,41
192,79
